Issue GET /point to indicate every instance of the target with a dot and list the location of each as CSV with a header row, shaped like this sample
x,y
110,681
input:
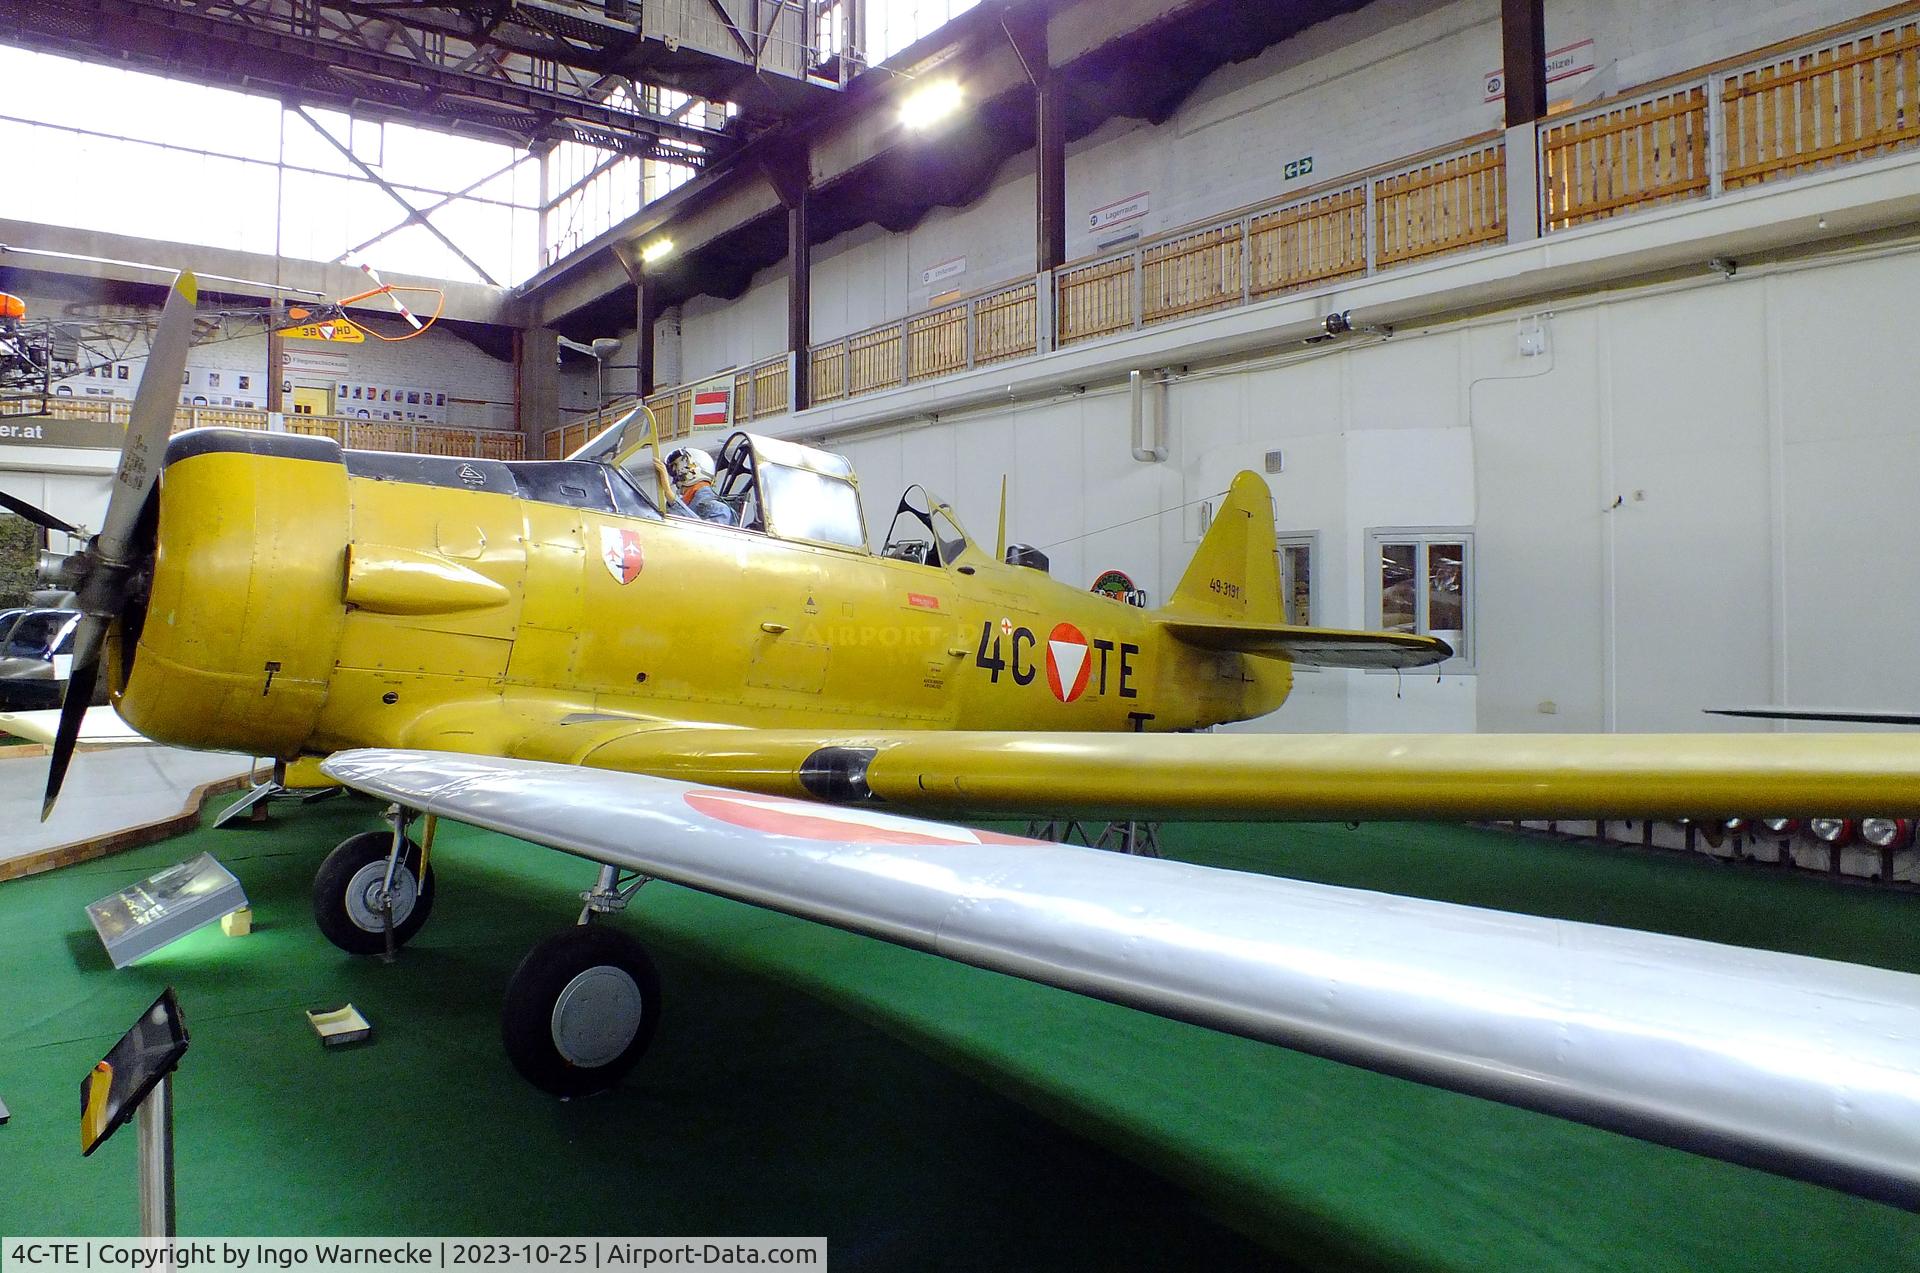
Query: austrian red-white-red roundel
x,y
805,820
1067,662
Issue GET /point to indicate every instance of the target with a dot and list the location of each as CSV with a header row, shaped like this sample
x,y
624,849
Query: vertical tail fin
x,y
1235,573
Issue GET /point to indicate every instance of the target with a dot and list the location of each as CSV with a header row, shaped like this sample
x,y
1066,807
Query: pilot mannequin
x,y
689,474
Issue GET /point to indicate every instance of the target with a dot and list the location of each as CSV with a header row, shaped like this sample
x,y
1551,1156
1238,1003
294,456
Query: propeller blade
x,y
38,516
109,568
151,421
73,708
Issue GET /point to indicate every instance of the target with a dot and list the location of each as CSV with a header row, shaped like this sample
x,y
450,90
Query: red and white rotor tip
x,y
386,289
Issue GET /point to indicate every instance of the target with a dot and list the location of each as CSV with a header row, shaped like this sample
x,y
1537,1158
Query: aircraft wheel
x,y
346,894
580,1009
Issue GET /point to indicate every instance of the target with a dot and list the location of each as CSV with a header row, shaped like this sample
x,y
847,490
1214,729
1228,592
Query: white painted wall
x,y
717,334
1393,79
1701,495
76,494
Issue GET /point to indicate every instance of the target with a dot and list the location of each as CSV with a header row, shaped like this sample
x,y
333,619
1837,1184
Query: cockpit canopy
x,y
791,491
775,486
925,530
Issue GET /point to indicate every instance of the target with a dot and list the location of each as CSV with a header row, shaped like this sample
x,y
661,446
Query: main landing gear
x,y
375,890
582,1006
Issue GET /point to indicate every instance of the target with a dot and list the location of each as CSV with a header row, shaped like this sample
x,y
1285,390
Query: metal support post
x,y
154,1123
1044,331
646,313
791,176
1524,190
1246,259
1716,137
1027,30
1523,43
1139,285
1373,232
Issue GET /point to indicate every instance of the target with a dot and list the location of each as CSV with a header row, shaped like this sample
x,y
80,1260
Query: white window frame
x,y
1422,538
1309,540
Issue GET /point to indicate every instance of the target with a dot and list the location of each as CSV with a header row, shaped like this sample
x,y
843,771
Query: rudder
x,y
1235,572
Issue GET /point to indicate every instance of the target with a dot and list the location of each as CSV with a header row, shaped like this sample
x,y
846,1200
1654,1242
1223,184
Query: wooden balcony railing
x,y
1636,154
1305,244
351,432
756,392
984,328
1842,100
1847,93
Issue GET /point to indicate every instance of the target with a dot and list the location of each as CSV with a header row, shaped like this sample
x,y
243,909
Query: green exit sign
x,y
1299,168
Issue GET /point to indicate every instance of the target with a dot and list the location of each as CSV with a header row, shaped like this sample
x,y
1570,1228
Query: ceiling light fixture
x,y
930,103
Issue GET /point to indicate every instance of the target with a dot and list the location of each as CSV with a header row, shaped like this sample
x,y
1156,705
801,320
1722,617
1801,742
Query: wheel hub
x,y
364,893
597,1016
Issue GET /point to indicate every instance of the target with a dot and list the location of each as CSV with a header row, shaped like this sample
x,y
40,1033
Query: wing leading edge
x,y
1846,715
1802,1066
1285,776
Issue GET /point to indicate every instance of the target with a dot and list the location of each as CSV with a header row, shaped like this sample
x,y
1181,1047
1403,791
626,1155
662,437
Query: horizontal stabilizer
x,y
1843,715
1802,1066
1312,647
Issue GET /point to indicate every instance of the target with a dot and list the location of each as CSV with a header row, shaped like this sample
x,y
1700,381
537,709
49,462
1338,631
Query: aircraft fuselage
x,y
298,607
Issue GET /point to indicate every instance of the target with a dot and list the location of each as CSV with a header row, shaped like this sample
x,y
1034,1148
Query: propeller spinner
x,y
104,572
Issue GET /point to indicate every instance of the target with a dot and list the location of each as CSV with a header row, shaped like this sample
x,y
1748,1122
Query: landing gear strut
x,y
583,1005
375,891
255,804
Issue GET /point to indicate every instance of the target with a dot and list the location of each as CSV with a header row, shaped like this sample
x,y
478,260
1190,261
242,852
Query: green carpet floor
x,y
921,1114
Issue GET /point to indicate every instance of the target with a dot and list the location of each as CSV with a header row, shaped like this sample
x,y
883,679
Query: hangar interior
x,y
1575,332
1656,445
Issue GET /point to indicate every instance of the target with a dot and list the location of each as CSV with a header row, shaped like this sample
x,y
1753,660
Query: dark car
x,y
35,658
6,621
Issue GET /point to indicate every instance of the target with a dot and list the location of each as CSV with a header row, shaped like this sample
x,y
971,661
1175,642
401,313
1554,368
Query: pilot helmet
x,y
689,465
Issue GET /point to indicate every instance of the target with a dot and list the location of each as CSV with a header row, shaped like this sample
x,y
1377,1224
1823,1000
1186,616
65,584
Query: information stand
x,y
133,1078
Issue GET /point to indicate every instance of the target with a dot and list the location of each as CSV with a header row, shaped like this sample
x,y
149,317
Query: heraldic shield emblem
x,y
620,549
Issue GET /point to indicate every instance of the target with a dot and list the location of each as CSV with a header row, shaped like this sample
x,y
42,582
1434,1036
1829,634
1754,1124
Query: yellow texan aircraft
x,y
753,710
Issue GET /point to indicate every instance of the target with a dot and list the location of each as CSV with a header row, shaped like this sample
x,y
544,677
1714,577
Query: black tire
x,y
346,886
613,990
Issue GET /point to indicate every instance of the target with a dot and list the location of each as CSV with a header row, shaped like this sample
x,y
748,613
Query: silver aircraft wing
x,y
1806,1067
1850,715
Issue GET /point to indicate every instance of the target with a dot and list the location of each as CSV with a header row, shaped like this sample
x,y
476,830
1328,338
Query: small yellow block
x,y
237,923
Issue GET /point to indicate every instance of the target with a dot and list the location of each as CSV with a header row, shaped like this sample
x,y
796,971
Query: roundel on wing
x,y
806,820
1067,662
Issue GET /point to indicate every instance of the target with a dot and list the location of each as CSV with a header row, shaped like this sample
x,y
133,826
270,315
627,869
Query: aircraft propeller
x,y
104,571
